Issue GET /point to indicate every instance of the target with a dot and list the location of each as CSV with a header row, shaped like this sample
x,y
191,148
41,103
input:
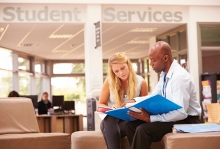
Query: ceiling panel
x,y
33,38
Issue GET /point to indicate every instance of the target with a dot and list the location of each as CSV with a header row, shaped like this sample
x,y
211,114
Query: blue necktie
x,y
164,86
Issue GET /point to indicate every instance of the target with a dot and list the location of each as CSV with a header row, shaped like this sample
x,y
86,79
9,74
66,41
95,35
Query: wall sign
x,y
97,34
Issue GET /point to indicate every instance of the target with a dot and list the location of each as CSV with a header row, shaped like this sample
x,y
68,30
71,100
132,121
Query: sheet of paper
x,y
130,104
102,115
196,128
135,109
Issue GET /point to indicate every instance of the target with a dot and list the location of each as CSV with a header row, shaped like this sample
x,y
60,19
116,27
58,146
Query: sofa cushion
x,y
35,141
95,140
17,116
209,140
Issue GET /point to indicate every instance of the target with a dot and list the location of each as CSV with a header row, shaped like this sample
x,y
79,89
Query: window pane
x,y
37,68
68,68
38,81
5,59
24,83
6,83
78,67
147,74
146,66
173,42
183,42
210,36
105,67
23,64
135,67
183,61
73,88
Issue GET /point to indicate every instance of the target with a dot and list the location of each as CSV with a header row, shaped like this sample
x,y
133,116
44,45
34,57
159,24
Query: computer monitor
x,y
69,105
34,99
58,100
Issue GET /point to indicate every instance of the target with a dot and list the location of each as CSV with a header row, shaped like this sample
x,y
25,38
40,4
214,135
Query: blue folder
x,y
154,105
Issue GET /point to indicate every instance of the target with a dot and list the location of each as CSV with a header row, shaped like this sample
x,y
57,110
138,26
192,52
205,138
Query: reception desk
x,y
60,123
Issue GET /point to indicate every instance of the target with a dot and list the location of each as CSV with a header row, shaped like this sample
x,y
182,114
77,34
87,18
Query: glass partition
x,y
23,63
5,59
6,83
68,68
210,36
24,83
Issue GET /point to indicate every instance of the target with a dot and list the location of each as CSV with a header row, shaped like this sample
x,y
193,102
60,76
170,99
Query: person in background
x,y
120,85
175,84
44,104
13,94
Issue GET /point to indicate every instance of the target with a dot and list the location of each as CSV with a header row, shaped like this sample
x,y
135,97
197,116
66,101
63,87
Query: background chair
x,y
19,127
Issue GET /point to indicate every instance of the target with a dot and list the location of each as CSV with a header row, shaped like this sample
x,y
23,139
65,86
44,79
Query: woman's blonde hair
x,y
43,94
115,84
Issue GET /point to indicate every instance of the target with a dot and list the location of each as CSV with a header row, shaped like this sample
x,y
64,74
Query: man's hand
x,y
127,101
144,116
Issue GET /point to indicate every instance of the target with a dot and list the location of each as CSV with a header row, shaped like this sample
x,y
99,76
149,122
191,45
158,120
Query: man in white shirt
x,y
177,85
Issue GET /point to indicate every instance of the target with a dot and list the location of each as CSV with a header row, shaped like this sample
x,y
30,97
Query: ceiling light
x,y
28,45
144,30
63,36
60,51
2,29
138,42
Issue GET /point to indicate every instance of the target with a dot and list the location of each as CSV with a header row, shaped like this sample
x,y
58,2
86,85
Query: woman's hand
x,y
127,101
104,109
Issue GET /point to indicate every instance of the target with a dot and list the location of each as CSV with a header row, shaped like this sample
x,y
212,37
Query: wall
x,y
151,2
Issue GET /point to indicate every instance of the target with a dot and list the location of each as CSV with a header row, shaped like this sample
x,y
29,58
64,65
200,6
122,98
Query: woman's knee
x,y
102,126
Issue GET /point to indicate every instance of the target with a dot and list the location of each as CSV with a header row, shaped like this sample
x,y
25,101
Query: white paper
x,y
135,109
101,115
130,104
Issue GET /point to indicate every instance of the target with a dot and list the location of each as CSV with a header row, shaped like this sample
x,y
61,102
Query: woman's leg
x,y
113,130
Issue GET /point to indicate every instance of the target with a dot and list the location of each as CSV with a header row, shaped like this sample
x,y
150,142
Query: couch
x,y
95,140
19,127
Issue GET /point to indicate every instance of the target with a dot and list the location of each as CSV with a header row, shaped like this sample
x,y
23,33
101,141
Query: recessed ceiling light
x,y
138,42
62,36
28,45
144,30
60,51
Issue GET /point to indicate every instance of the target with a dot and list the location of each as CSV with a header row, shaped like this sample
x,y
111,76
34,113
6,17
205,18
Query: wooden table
x,y
67,123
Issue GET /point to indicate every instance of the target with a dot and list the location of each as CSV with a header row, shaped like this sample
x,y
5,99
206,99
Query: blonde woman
x,y
44,104
121,85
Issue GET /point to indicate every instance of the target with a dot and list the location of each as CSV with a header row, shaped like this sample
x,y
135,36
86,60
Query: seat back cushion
x,y
17,115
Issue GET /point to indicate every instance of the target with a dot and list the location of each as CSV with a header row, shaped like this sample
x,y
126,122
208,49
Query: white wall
x,y
198,14
151,2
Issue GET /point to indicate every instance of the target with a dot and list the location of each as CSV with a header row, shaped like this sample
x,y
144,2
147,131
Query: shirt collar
x,y
170,71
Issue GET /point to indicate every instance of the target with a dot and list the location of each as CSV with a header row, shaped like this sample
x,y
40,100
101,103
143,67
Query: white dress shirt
x,y
179,88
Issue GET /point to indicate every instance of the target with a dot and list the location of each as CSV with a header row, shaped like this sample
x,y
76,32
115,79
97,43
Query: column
x,y
194,53
15,71
32,77
153,74
93,55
